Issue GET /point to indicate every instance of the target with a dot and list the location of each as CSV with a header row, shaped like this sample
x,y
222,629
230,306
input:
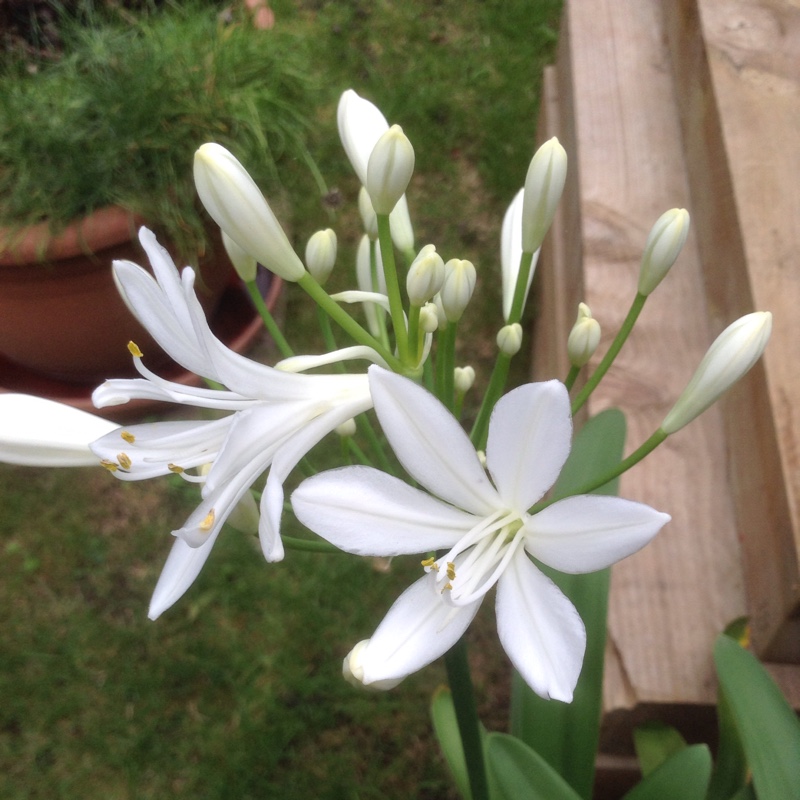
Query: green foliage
x,y
685,774
655,743
118,118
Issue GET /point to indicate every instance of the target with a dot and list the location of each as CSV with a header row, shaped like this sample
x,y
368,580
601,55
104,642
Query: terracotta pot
x,y
60,312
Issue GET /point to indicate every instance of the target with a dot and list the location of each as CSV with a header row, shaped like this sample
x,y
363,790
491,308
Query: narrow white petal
x,y
36,432
307,362
590,532
430,443
540,630
419,628
355,296
529,441
367,512
182,566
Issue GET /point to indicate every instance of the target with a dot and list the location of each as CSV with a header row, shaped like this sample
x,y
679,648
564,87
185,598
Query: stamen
x,y
128,436
451,571
134,350
430,564
208,523
124,460
175,468
111,466
447,587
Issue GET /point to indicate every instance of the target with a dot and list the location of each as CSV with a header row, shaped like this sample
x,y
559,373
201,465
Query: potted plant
x,y
97,136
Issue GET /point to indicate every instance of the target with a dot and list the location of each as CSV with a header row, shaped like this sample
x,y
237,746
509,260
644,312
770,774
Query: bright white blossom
x,y
483,523
35,432
511,253
277,418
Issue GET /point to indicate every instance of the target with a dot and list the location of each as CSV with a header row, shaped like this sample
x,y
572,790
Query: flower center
x,y
473,566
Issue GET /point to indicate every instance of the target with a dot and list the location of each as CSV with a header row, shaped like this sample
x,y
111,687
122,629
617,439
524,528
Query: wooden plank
x,y
737,63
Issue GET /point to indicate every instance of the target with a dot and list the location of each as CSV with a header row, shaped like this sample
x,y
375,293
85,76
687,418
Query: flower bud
x,y
425,276
662,248
244,264
463,379
389,169
236,204
321,254
353,670
544,184
368,216
509,339
366,283
346,428
732,354
428,318
458,286
583,338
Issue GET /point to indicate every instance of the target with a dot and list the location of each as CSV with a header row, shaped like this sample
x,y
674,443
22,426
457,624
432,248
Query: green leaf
x,y
684,775
445,726
730,768
768,728
518,773
566,735
655,743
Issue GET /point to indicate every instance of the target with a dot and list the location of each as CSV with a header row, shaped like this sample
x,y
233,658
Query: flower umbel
x,y
484,527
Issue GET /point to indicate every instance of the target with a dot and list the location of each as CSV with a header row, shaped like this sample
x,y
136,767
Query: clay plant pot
x,y
60,312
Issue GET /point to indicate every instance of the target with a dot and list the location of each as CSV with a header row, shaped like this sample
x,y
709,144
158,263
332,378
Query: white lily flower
x,y
278,417
35,432
511,253
361,124
482,523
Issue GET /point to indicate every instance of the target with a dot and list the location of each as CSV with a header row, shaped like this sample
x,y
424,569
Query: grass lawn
x,y
236,692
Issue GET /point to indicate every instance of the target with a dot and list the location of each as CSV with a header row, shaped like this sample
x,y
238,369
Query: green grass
x,y
236,692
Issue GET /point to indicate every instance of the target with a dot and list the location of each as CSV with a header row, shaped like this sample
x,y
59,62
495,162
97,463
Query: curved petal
x,y
590,532
430,443
418,628
35,432
367,512
356,352
529,441
540,630
361,124
182,566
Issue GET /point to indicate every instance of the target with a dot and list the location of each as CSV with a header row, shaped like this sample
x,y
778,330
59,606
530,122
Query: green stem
x,y
496,385
393,287
309,545
573,374
445,364
518,303
458,676
608,358
413,332
269,321
380,316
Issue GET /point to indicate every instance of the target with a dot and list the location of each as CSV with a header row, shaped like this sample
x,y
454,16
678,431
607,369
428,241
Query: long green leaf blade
x,y
685,775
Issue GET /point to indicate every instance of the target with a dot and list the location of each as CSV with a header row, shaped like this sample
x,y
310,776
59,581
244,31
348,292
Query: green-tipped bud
x,y
425,276
389,170
245,265
509,339
428,318
662,248
321,254
544,184
369,218
732,354
463,379
236,204
583,338
458,286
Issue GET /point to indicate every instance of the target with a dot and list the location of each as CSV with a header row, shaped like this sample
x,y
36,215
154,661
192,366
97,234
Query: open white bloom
x,y
35,432
278,417
483,524
511,253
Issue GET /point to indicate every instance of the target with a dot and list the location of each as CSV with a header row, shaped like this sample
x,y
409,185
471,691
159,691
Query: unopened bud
x,y
731,355
389,169
509,339
544,184
583,338
245,265
346,428
662,248
425,276
353,670
458,286
428,318
321,254
236,204
463,379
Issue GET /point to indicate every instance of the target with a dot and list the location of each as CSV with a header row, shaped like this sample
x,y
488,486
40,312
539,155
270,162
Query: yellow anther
x,y
111,466
447,587
429,562
128,436
208,523
175,468
124,460
134,350
451,571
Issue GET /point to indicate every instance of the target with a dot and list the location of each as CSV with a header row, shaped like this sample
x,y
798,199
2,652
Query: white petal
x,y
529,440
540,630
590,532
182,566
430,443
367,512
419,628
361,124
36,432
307,362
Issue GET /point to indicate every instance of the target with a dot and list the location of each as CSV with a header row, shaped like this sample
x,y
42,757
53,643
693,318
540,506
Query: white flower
x,y
483,525
511,253
278,417
35,432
